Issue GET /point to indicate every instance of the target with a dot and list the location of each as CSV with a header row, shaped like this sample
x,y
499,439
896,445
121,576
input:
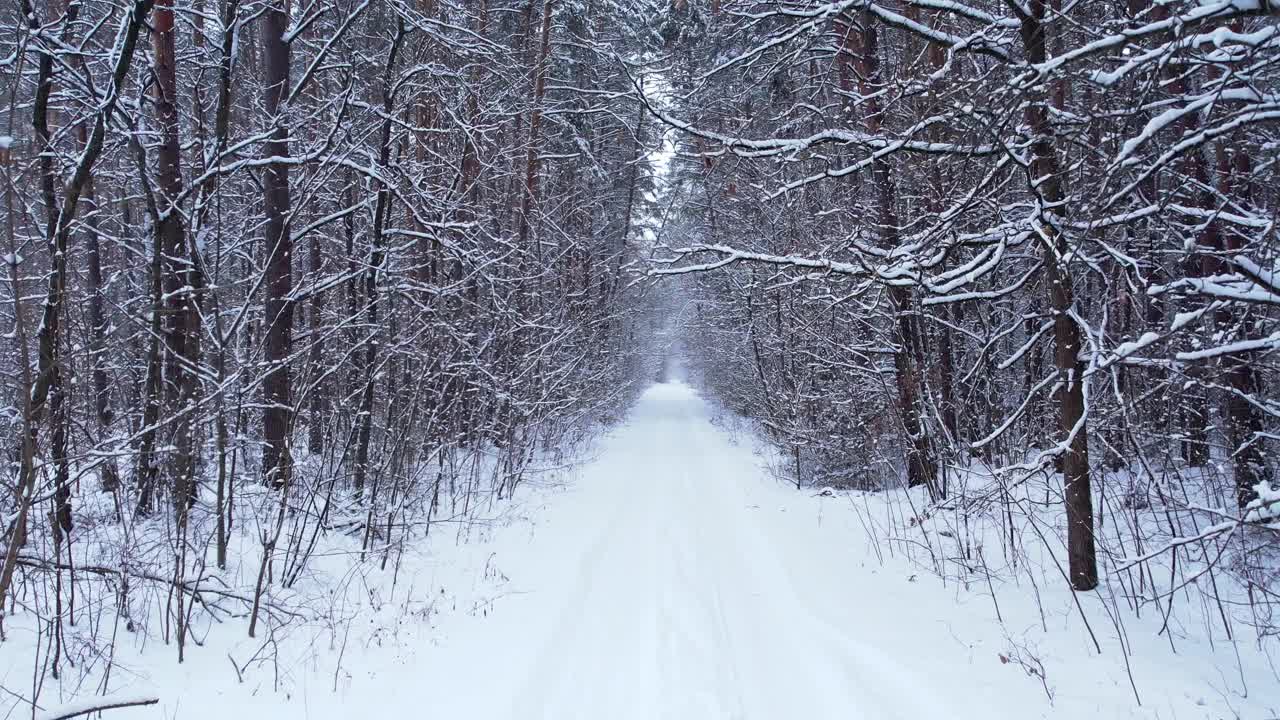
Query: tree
x,y
277,413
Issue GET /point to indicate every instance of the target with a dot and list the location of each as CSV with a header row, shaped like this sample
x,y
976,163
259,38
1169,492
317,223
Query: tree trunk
x,y
277,389
179,272
377,256
1243,419
102,414
1073,426
532,163
57,235
922,467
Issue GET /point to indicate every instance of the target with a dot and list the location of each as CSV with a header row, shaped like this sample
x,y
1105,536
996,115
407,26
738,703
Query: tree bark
x,y
922,467
277,388
1243,418
532,161
377,256
179,271
1046,172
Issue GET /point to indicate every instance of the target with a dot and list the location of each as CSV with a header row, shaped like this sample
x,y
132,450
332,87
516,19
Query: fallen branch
x,y
107,702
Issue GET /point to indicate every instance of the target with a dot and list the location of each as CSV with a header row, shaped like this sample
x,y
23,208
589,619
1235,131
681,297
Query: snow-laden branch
x,y
1227,287
1221,12
726,256
97,704
768,147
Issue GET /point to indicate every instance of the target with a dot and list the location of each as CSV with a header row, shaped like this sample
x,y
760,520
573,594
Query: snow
x,y
666,588
1195,105
1266,508
1125,349
674,577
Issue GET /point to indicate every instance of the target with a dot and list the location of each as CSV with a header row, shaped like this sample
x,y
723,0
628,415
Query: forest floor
x,y
674,578
678,579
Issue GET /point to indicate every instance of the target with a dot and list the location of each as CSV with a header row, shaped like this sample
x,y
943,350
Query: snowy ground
x,y
674,579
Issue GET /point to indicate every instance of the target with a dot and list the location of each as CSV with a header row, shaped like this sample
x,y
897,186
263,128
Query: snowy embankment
x,y
673,578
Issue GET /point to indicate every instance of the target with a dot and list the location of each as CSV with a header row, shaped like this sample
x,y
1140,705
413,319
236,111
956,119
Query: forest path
x,y
670,582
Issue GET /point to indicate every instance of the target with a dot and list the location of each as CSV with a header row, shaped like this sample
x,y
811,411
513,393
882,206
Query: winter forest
x,y
640,358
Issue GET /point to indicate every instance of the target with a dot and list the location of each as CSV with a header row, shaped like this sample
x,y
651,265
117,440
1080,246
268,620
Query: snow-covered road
x,y
679,604
674,579
669,584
